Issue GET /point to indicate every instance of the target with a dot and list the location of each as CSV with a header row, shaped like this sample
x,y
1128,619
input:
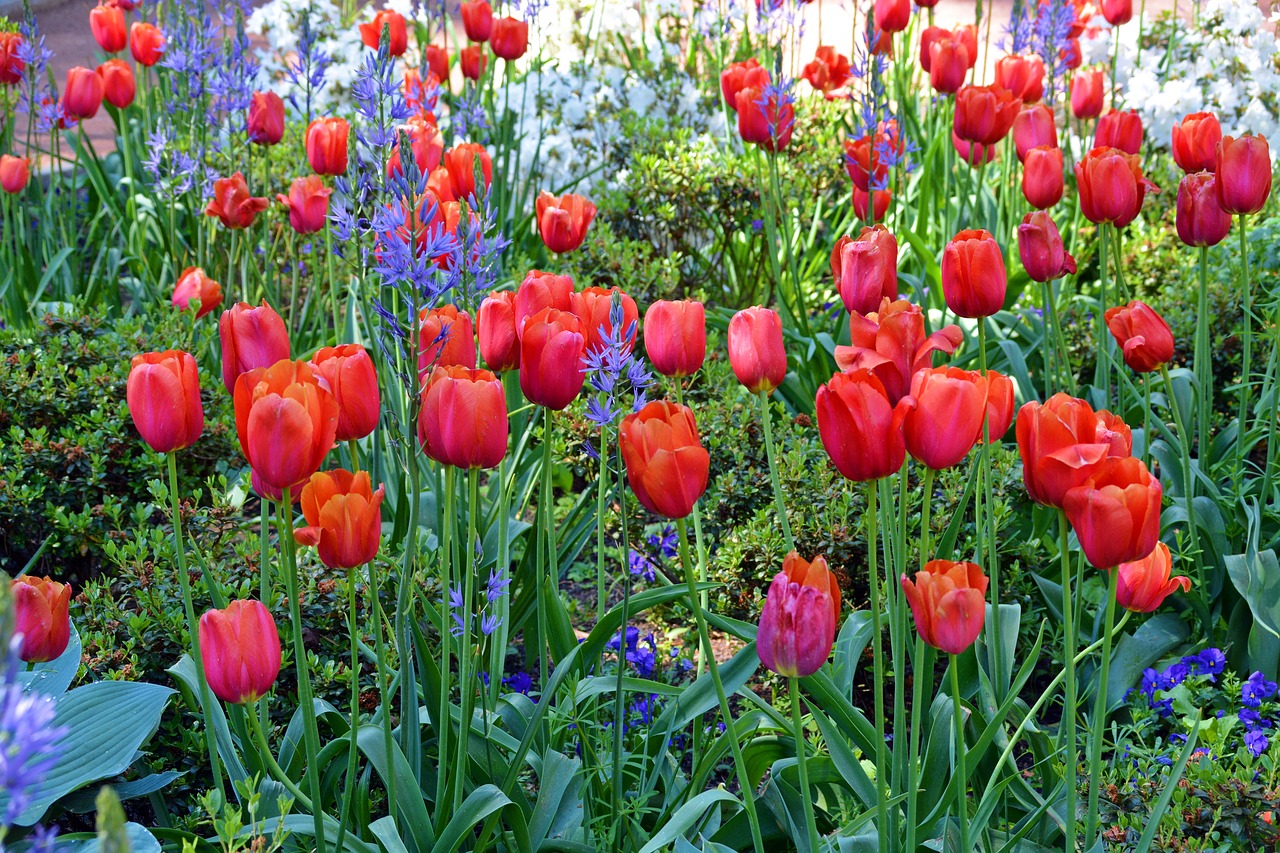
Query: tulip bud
x,y
948,411
1071,55
83,93
1042,181
240,647
195,286
265,124
1062,442
1112,186
1195,142
327,145
892,16
927,37
1033,128
163,393
307,203
594,307
973,274
756,351
499,345
968,35
1243,174
344,518
1199,217
473,60
445,338
984,114
397,32
477,19
11,62
252,337
1086,94
1120,129
948,65
118,84
741,75
107,23
865,269
233,204
460,162
14,173
892,344
509,38
541,290
860,428
667,466
675,337
552,345
1040,248
1144,584
766,117
948,601
799,619
1116,512
40,610
1142,334
463,421
1021,75
563,221
1117,12
353,381
437,59
287,420
146,43
427,143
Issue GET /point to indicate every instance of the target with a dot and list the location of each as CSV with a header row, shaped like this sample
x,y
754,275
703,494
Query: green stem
x,y
602,493
1188,481
350,784
277,772
802,762
957,713
926,505
445,723
1101,337
1100,713
551,566
384,687
466,677
1246,375
987,531
1203,368
767,417
877,629
1068,722
918,714
620,688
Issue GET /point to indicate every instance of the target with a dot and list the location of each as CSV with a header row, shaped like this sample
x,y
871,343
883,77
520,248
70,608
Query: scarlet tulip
x,y
146,43
1195,142
163,393
265,123
460,162
1042,181
741,75
473,60
973,274
1117,12
240,648
865,269
552,345
860,428
1032,128
499,344
667,466
892,344
437,59
984,114
427,143
287,420
83,93
948,601
563,221
353,381
968,35
251,337
509,38
798,622
1021,75
1243,174
541,290
948,64
593,307
927,37
675,337
1142,334
327,145
118,84
892,16
1086,93
14,173
11,62
397,32
1040,248
1199,218
477,19
866,158
1116,512
445,338
1144,584
107,23
233,204
307,203
1112,186
194,286
828,71
1120,129
1062,442
861,202
756,351
946,410
41,618
766,117
463,421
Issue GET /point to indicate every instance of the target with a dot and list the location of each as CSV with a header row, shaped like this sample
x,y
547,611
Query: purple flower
x,y
28,739
1255,690
1256,742
520,682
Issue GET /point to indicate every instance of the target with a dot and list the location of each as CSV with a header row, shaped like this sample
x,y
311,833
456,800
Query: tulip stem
x,y
551,566
987,532
1102,370
767,417
1203,367
352,764
698,540
193,626
273,767
444,725
602,491
384,688
739,763
802,762
466,677
926,505
620,687
877,630
962,789
1100,711
1068,722
1246,374
918,713
1188,482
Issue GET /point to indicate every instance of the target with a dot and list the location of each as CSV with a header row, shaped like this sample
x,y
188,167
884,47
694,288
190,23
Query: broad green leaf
x,y
1135,652
686,816
54,677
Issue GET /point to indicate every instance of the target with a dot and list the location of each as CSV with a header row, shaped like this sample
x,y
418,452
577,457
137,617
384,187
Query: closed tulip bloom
x,y
509,38
83,93
799,619
1142,334
756,351
41,618
742,75
541,290
146,43
327,145
460,162
1199,217
1021,75
1042,181
985,114
477,19
973,274
675,336
1070,55
948,601
1144,584
861,430
766,117
893,345
496,321
892,16
1117,12
563,221
397,31
864,158
927,37
265,124
307,203
946,411
118,83
463,420
11,62
1116,512
593,306
968,35
353,381
437,59
163,393
1120,129
667,466
233,204
344,517
1112,186
1195,142
1041,250
867,210
14,173
107,24
1062,442
287,421
445,338
1243,174
865,269
473,60
252,337
1032,128
240,648
427,143
552,345
948,65
1086,93
828,71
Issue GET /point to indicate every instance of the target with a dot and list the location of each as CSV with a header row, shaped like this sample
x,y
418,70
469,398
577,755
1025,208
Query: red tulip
x,y
252,337
675,337
1120,129
473,60
893,345
927,37
552,345
866,269
1041,250
1112,186
1195,142
41,618
265,124
11,63
397,32
865,157
427,144
287,420
1117,12
1116,512
240,648
667,466
194,286
593,306
14,173
118,84
83,93
107,23
307,203
973,274
460,162
1243,174
948,601
437,59
353,381
1042,181
828,71
742,75
973,153
542,290
881,207
477,19
1086,93
509,38
344,518
563,221
892,16
1062,442
1199,218
1021,75
499,344
1142,334
1071,55
799,619
984,114
1032,128
860,428
233,204
948,411
968,35
766,118
146,43
445,338
756,351
948,64
327,145
463,421
1144,584
163,393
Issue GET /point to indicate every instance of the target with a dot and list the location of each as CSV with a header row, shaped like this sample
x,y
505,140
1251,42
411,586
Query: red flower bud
x,y
766,118
1042,181
473,59
667,466
437,59
397,30
163,393
1116,512
892,16
107,23
593,306
1032,128
499,344
118,84
463,421
948,64
973,274
552,345
984,114
477,19
1120,129
1041,250
353,381
240,647
1086,93
948,601
799,619
146,43
1195,142
860,428
1243,174
1117,12
541,290
756,351
1112,187
865,269
948,410
1021,75
344,518
1144,584
741,75
675,337
1142,334
509,38
14,173
445,338
251,337
287,420
83,93
563,221
11,63
460,162
307,203
265,124
327,145
41,618
233,204
828,71
1199,218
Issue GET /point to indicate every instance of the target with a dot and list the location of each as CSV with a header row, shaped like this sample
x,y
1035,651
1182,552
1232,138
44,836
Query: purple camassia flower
x,y
874,113
307,72
37,96
608,364
1050,35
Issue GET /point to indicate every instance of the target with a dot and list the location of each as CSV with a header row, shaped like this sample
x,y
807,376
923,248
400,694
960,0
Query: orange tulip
x,y
353,381
509,38
1195,142
973,274
860,429
1142,334
240,648
107,24
1119,129
675,337
163,393
233,204
563,221
865,269
945,413
1144,584
541,290
146,43
948,601
307,203
799,618
460,162
252,336
14,173
1062,442
892,344
593,305
326,145
984,114
344,518
667,466
463,421
194,286
499,345
397,32
1116,512
287,420
40,610
445,338
757,353
552,345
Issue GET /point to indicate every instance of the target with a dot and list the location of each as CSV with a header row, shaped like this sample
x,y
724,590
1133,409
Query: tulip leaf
x,y
1256,576
54,677
852,641
185,672
1135,652
478,805
686,816
558,810
140,841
